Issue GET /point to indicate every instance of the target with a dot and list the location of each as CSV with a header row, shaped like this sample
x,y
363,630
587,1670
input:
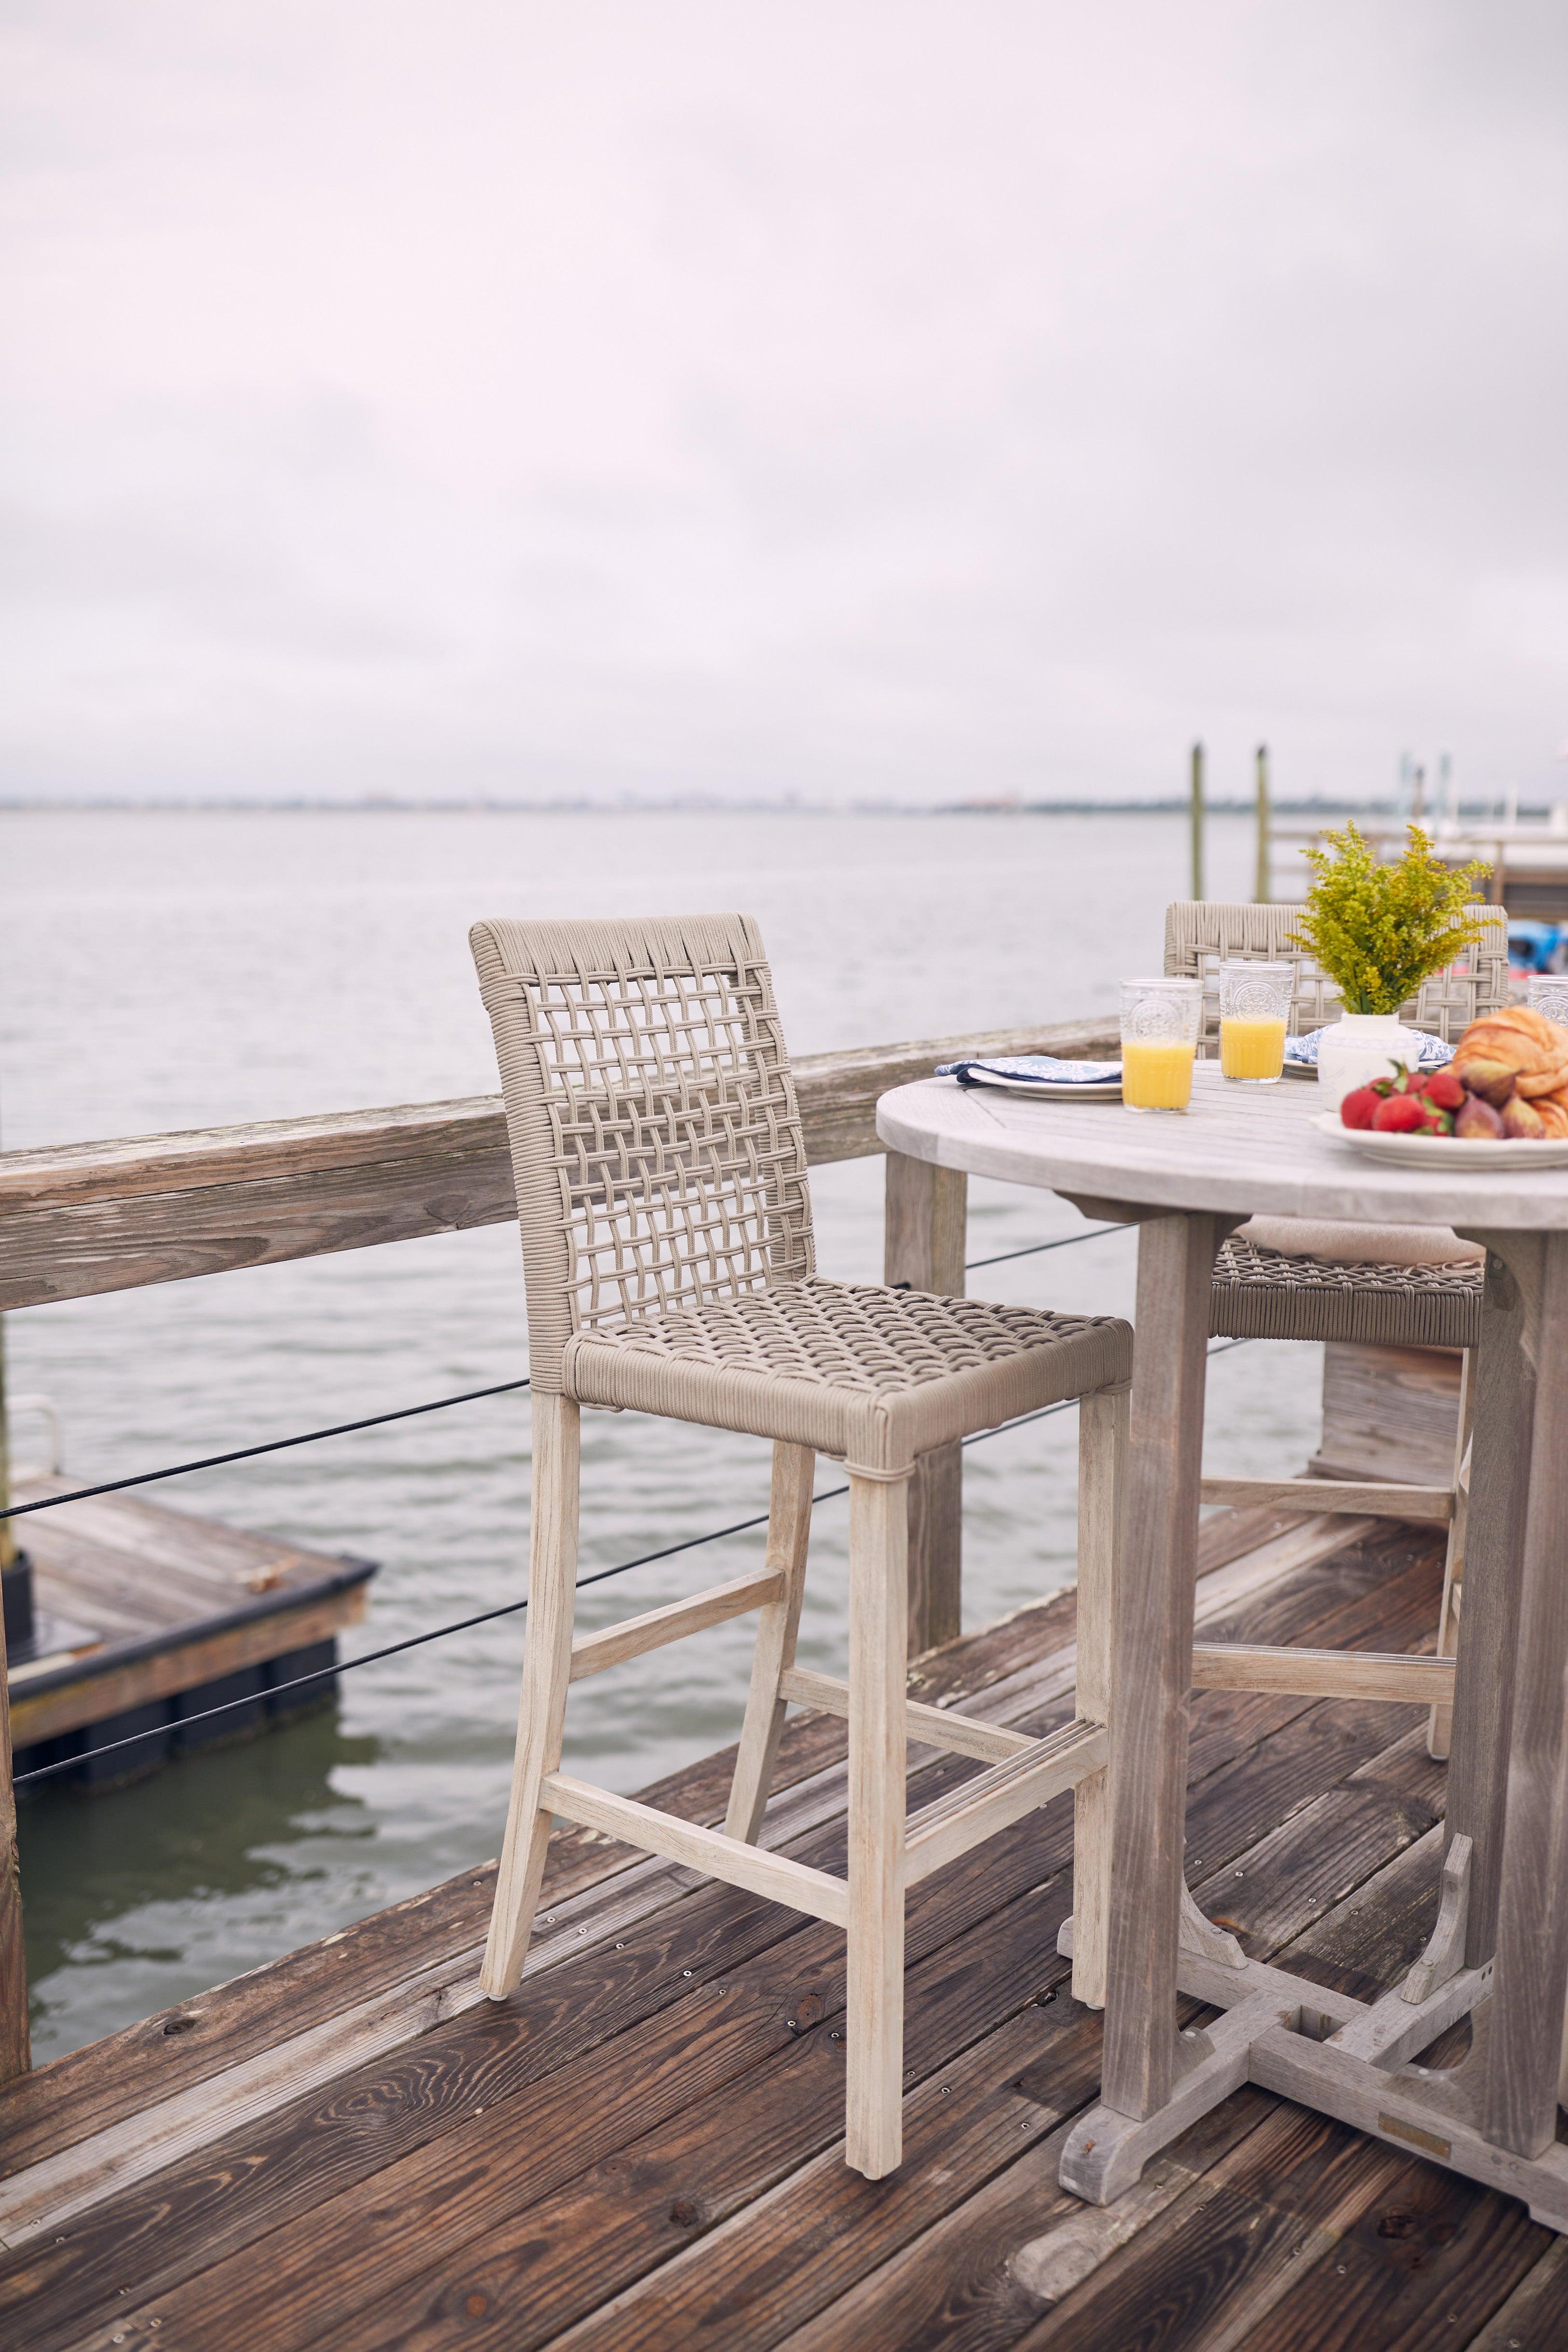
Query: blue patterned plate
x,y
1301,1053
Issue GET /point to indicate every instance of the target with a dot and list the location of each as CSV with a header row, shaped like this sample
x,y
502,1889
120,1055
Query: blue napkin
x,y
1044,1068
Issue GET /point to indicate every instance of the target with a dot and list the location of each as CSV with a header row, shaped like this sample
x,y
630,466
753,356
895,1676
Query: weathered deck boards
x,y
641,2148
139,1608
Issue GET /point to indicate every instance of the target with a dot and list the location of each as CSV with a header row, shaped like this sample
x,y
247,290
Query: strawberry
x,y
1400,1115
1444,1088
1360,1106
1435,1119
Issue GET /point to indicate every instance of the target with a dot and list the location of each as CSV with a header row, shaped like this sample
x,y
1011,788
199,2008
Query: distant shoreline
x,y
374,805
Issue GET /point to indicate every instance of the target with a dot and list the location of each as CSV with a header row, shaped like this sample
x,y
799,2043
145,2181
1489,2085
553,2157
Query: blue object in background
x,y
1536,947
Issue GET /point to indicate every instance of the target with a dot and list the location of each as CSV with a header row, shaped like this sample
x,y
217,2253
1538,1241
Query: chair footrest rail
x,y
1401,1680
995,1799
773,1876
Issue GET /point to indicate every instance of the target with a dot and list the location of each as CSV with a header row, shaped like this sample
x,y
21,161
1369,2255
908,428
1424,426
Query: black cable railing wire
x,y
514,1608
404,1412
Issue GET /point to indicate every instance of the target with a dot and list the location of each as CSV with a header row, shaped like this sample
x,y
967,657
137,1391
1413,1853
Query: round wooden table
x,y
1500,1952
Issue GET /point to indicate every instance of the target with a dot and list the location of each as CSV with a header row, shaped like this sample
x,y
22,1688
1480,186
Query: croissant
x,y
1518,1039
1553,1112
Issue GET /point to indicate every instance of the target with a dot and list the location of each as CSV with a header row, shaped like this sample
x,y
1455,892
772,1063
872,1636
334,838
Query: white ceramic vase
x,y
1359,1047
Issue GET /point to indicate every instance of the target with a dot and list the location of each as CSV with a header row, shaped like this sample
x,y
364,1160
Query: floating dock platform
x,y
136,1619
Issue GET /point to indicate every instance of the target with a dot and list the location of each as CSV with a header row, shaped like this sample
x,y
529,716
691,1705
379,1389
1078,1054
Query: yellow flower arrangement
x,y
1380,930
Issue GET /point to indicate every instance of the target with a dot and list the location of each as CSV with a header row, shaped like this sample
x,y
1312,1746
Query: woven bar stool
x,y
1287,1279
667,1257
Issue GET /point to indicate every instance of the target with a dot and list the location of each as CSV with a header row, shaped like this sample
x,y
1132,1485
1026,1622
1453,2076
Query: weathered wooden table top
x,y
1244,1149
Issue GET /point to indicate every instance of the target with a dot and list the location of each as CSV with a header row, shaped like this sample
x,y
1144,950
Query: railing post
x,y
16,2050
927,1210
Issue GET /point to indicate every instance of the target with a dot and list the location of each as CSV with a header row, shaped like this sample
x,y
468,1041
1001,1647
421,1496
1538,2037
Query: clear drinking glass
x,y
1254,1008
1548,993
1160,1019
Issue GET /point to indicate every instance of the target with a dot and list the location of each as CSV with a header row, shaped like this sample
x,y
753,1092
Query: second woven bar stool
x,y
667,1256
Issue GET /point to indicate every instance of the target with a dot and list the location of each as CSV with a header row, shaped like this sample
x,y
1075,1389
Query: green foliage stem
x,y
1380,930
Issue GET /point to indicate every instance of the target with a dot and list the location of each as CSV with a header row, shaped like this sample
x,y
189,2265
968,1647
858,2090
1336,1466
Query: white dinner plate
x,y
1040,1073
1470,1153
1049,1089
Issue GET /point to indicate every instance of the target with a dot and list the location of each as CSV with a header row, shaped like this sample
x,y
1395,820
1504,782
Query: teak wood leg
x,y
1152,1658
1493,2119
1532,1906
1102,1503
1503,1379
925,1223
789,1532
546,1673
879,1604
1440,1722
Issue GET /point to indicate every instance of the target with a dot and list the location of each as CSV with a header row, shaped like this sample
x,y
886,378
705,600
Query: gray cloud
x,y
908,400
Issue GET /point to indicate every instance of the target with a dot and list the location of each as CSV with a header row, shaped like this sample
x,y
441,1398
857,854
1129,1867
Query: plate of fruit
x,y
1501,1102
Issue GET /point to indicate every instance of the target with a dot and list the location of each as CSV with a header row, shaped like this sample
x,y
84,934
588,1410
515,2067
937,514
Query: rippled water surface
x,y
164,972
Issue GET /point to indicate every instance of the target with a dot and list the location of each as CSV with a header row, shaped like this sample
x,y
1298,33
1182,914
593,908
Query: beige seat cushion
x,y
872,1376
1349,1245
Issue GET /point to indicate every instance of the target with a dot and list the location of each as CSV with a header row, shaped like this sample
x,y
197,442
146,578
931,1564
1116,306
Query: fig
x,y
1444,1088
1400,1115
1359,1107
1523,1121
1479,1121
1493,1081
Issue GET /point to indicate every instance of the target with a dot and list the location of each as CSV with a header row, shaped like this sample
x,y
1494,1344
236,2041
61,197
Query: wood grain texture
x,y
925,1219
635,1636
244,2189
80,1219
16,2044
1240,1151
115,2082
878,1734
774,1875
1433,1505
1532,1907
789,1538
1152,1658
546,1676
1102,1462
1000,1796
942,1727
1505,1385
1322,1674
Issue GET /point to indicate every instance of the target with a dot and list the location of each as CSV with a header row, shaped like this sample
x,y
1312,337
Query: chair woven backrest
x,y
1201,934
656,1140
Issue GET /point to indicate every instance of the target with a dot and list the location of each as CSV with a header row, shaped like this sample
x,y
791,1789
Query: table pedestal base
x,y
1349,2059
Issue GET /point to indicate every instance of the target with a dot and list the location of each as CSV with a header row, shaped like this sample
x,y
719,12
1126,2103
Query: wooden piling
x,y
1198,890
1263,875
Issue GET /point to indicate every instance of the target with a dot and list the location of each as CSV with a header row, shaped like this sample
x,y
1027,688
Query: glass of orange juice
x,y
1159,1037
1254,1007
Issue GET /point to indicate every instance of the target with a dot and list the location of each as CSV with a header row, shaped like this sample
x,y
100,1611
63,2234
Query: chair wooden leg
x,y
789,1531
546,1672
878,1605
1440,1722
1101,1467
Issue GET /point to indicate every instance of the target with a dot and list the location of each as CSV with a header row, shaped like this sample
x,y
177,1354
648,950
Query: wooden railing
x,y
79,1219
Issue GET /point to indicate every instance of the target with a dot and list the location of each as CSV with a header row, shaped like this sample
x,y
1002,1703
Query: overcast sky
x,y
857,398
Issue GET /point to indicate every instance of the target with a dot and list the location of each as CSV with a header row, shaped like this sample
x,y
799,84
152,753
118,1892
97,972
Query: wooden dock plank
x,y
231,2163
90,2089
577,2167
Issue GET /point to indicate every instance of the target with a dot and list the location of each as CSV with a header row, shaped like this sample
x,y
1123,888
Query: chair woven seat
x,y
1261,1294
870,1375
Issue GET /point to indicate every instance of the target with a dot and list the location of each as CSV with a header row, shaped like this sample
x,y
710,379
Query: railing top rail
x,y
81,1218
